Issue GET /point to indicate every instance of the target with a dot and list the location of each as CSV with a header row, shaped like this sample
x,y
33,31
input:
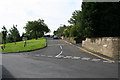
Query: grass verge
x,y
30,45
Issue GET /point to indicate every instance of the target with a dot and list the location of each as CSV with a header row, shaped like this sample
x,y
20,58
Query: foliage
x,y
14,34
0,38
54,32
35,29
95,20
74,20
66,32
4,35
101,19
60,30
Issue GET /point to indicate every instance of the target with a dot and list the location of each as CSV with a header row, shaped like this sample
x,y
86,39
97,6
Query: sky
x,y
54,12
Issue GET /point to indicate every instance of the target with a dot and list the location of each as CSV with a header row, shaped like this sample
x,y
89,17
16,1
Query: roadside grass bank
x,y
31,45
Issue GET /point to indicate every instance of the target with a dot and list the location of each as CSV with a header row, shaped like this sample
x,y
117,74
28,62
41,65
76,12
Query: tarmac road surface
x,y
58,60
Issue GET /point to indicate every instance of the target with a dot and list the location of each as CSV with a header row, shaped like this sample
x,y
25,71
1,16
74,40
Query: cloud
x,y
54,12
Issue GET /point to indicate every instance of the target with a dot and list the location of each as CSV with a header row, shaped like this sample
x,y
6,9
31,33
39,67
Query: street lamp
x,y
24,39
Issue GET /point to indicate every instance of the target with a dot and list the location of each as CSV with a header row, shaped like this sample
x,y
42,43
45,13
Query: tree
x,y
14,34
0,37
95,20
101,19
60,30
76,30
36,28
4,35
9,38
67,32
74,20
55,32
73,31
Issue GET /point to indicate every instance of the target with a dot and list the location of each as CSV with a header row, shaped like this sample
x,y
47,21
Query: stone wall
x,y
108,46
69,39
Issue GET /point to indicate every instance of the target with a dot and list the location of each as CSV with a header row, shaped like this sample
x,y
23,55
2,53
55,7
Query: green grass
x,y
30,46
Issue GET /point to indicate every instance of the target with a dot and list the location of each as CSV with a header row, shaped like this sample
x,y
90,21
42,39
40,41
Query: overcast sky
x,y
54,12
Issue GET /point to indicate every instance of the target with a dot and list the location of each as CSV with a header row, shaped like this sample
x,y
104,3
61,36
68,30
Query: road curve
x,y
58,60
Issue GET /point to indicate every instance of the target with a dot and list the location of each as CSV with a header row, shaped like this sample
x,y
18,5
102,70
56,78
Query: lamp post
x,y
24,39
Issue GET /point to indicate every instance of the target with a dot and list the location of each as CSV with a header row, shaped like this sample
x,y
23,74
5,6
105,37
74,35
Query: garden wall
x,y
69,39
108,46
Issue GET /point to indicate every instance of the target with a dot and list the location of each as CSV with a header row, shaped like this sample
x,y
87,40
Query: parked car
x,y
55,37
46,35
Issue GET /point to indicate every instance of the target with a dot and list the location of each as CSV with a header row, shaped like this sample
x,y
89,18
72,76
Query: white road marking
x,y
37,55
42,55
108,61
105,61
65,57
84,58
111,62
95,59
50,56
68,57
60,47
59,54
75,57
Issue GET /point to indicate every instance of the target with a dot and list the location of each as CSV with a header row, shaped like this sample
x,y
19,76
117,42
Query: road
x,y
58,60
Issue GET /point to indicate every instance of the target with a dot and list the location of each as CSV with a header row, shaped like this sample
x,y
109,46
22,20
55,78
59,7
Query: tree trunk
x,y
15,41
4,46
36,35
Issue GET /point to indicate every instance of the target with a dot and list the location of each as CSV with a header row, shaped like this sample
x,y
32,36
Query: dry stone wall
x,y
69,39
109,46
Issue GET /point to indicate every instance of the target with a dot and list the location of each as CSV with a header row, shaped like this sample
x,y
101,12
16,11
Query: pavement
x,y
59,59
110,60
